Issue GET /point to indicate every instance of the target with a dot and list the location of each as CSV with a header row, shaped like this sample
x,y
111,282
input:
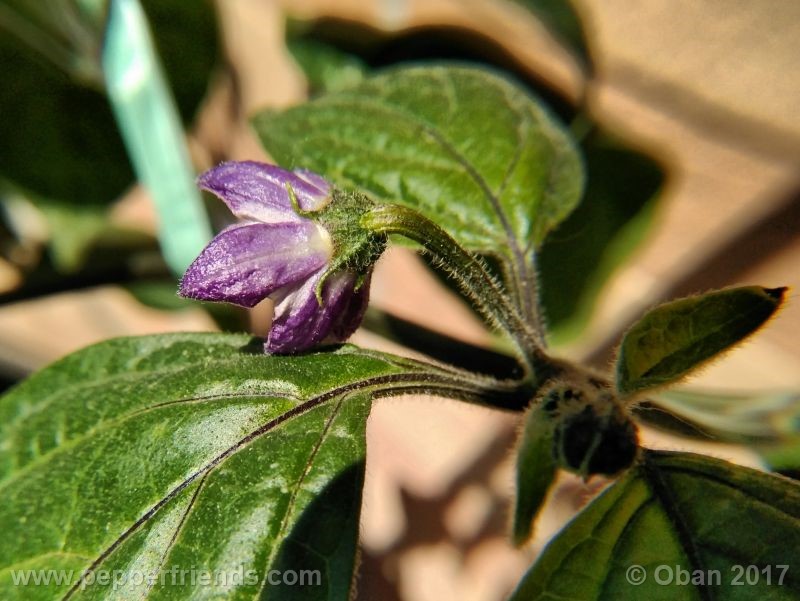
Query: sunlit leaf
x,y
677,511
469,149
677,337
326,68
192,452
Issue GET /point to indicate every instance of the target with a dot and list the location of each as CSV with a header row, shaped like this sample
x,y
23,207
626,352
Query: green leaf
x,y
326,68
160,294
464,146
783,457
677,337
611,221
72,232
754,417
192,451
58,138
767,422
177,26
536,471
77,231
68,34
560,18
676,510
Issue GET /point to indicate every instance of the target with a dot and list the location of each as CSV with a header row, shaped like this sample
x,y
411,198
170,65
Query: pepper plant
x,y
150,456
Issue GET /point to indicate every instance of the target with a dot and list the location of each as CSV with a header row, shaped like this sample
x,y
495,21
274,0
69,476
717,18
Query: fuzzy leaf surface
x,y
682,510
677,337
164,453
536,471
467,148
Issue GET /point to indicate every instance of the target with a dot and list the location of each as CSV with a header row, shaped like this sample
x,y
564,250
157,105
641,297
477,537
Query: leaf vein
x,y
669,505
363,385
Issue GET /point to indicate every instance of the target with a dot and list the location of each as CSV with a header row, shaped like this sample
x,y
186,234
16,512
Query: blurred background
x,y
688,114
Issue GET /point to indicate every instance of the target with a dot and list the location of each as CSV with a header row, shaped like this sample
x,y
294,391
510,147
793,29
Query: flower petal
x,y
258,191
349,320
316,180
300,322
245,263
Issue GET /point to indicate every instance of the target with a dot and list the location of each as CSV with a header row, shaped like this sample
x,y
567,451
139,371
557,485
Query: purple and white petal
x,y
300,322
257,191
316,180
348,320
245,263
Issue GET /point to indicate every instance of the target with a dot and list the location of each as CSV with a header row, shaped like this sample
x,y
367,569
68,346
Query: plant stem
x,y
471,275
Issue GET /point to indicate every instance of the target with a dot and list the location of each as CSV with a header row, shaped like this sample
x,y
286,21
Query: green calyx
x,y
355,248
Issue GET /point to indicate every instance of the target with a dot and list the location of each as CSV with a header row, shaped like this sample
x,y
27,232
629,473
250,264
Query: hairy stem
x,y
472,277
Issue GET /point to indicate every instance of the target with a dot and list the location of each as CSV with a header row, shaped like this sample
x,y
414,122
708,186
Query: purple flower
x,y
277,252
